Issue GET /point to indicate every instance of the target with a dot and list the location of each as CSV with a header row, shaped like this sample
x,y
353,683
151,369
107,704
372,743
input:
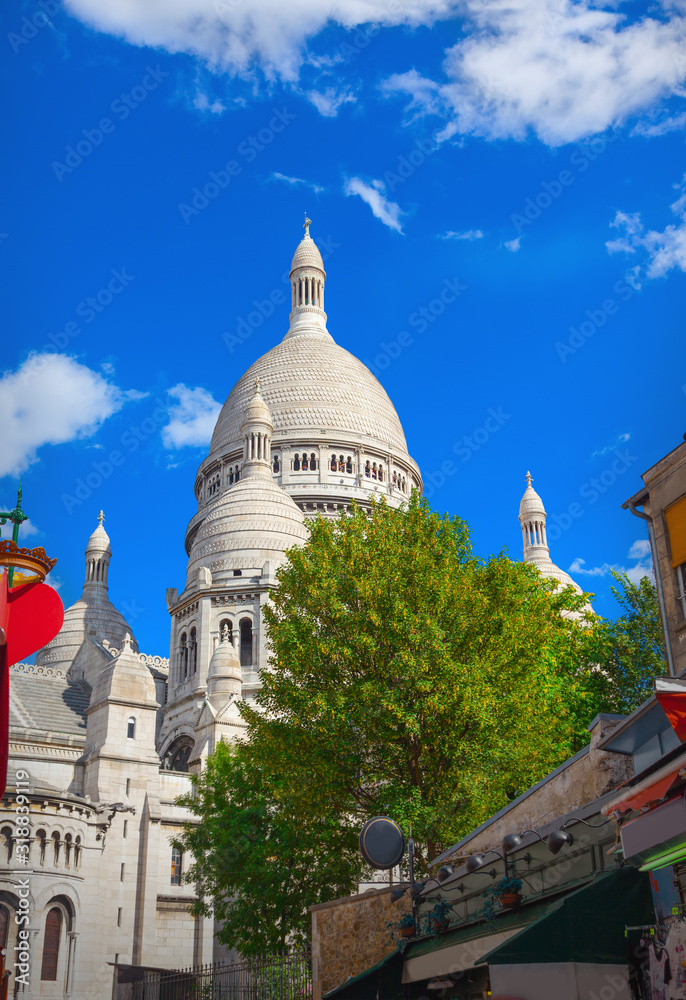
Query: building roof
x,y
43,699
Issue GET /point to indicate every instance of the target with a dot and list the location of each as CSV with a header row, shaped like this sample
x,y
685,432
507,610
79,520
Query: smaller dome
x,y
99,541
530,503
224,675
257,410
307,255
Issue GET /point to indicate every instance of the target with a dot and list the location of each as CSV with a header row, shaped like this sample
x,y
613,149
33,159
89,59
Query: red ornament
x,y
30,616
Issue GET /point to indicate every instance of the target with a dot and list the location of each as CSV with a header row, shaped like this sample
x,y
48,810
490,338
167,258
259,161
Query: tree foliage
x,y
407,677
626,655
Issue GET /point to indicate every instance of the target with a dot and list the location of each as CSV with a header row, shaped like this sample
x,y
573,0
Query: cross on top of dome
x,y
101,518
306,225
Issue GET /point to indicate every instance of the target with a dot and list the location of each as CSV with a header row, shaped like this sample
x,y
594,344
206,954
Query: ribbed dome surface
x,y
531,503
254,521
312,385
94,614
307,255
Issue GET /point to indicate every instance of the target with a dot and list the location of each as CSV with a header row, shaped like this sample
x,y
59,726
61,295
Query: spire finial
x,y
529,479
101,518
306,225
258,388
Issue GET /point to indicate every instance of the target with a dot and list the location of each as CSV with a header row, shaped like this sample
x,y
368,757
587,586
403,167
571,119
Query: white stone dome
x,y
251,523
307,255
313,387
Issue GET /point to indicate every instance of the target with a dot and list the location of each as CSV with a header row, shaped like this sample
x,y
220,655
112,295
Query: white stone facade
x,y
103,737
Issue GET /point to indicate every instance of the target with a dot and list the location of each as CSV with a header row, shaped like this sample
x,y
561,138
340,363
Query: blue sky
x,y
531,155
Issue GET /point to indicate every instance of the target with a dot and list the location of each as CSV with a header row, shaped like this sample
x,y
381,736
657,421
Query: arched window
x,y
77,852
367,470
41,840
67,849
226,630
313,462
183,655
349,464
8,842
131,728
296,462
246,642
275,463
380,472
238,474
341,463
193,651
306,464
374,471
51,945
177,756
56,846
334,464
176,862
4,926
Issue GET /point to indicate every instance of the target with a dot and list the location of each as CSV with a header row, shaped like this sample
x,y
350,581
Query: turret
x,y
256,430
307,277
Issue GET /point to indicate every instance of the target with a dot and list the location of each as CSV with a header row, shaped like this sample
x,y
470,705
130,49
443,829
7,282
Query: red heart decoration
x,y
31,616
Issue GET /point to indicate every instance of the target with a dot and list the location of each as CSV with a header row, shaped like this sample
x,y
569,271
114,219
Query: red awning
x,y
671,694
651,789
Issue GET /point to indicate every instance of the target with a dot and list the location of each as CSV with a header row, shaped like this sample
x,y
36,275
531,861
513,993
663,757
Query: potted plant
x,y
438,917
406,926
509,892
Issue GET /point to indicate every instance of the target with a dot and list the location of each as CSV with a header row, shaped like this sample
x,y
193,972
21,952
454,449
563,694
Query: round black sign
x,y
382,843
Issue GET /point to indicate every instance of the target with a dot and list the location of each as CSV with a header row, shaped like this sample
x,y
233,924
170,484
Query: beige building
x,y
103,737
663,499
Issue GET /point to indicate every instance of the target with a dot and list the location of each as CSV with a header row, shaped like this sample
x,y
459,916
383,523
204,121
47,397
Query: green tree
x,y
627,654
256,855
409,678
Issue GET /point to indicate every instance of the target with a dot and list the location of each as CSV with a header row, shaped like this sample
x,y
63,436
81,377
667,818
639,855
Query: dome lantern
x,y
257,430
307,276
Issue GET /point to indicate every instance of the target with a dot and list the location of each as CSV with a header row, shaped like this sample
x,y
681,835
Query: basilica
x,y
105,735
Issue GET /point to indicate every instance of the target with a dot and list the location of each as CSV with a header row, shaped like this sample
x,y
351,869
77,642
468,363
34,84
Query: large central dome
x,y
313,386
336,435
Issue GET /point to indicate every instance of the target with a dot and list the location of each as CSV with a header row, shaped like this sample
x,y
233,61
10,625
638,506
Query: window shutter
x,y
676,525
51,945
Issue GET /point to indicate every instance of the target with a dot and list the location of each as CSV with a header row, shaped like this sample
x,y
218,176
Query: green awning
x,y
382,981
587,926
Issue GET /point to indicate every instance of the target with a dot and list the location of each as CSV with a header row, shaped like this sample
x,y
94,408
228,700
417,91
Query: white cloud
x,y
201,102
650,128
240,36
51,399
468,234
559,69
663,251
513,245
192,418
295,181
374,195
26,528
328,101
642,564
620,439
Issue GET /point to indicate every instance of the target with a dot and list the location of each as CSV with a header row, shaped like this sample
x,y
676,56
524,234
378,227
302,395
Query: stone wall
x,y
351,935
